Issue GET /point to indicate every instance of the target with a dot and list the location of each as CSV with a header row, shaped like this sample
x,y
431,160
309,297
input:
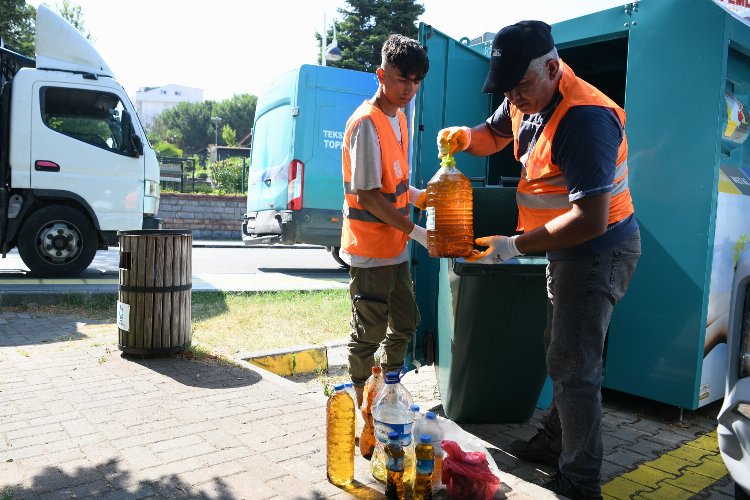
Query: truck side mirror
x,y
137,144
133,140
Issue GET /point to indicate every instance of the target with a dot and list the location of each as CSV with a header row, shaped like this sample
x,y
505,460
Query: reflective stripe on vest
x,y
542,193
363,233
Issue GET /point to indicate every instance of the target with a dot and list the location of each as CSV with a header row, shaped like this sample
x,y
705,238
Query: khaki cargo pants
x,y
383,310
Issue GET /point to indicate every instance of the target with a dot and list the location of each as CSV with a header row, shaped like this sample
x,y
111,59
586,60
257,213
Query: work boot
x,y
359,391
538,449
562,486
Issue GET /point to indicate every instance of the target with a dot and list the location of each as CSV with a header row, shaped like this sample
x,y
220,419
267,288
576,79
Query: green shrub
x,y
227,175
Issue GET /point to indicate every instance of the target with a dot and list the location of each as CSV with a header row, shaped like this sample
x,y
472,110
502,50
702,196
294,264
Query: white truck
x,y
75,164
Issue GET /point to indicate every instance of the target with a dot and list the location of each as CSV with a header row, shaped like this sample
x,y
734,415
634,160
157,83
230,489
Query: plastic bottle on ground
x,y
391,413
450,222
431,425
340,437
425,465
370,392
394,482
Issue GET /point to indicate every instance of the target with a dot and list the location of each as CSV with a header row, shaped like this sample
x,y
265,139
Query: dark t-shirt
x,y
585,148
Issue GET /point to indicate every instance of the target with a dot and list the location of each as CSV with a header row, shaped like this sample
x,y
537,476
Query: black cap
x,y
512,50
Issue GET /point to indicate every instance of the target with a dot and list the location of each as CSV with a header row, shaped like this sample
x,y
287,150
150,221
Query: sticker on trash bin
x,y
123,316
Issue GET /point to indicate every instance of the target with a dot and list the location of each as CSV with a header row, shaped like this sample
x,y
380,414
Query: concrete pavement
x,y
81,420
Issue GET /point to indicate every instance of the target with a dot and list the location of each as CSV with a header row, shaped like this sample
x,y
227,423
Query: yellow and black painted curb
x,y
286,362
677,474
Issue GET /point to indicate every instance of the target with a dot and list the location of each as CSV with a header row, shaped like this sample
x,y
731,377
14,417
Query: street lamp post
x,y
216,120
330,52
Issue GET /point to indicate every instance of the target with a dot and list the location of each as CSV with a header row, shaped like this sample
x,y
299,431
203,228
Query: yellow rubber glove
x,y
500,248
457,139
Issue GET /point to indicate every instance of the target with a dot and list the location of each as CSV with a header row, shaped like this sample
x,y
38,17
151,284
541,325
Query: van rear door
x,y
271,155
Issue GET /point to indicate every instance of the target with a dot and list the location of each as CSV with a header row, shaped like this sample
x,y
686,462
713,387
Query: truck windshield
x,y
90,116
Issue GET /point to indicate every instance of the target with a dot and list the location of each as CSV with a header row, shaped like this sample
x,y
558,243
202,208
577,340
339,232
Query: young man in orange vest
x,y
376,225
575,205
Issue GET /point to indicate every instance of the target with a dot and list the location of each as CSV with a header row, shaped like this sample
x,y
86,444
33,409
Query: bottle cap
x,y
430,415
425,438
393,435
414,408
391,378
377,369
338,387
447,161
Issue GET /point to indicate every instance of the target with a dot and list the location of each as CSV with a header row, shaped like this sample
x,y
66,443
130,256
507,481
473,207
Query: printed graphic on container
x,y
430,225
383,428
395,464
123,316
425,466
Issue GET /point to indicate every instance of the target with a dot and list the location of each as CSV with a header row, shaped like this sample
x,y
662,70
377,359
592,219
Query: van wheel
x,y
337,258
57,240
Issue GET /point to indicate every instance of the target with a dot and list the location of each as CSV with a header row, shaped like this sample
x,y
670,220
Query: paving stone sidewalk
x,y
79,420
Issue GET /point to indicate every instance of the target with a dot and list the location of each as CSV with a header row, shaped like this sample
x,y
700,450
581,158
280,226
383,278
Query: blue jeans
x,y
581,296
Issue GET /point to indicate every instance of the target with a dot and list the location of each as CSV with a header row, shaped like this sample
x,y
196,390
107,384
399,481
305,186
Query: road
x,y
215,260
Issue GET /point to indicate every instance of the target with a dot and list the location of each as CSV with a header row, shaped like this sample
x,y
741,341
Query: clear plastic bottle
x,y
340,437
391,412
425,465
431,425
370,392
394,482
450,221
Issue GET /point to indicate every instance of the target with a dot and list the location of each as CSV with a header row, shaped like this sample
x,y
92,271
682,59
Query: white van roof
x,y
60,46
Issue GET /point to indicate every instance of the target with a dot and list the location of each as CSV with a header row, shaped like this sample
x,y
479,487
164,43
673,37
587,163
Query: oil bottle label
x,y
382,429
425,466
430,219
395,464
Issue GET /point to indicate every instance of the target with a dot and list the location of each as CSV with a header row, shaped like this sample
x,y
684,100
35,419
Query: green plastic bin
x,y
490,355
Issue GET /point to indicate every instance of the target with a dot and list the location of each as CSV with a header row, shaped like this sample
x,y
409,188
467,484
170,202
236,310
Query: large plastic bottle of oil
x,y
450,224
340,425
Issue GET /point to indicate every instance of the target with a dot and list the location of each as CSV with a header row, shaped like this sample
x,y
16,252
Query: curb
x,y
296,359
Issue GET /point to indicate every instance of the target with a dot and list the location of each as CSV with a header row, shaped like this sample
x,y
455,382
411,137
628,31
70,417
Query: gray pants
x,y
581,296
383,310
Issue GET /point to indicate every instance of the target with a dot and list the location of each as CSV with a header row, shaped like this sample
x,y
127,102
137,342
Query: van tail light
x,y
294,188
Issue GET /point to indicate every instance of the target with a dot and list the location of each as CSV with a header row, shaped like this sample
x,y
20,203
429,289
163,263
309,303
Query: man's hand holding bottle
x,y
456,138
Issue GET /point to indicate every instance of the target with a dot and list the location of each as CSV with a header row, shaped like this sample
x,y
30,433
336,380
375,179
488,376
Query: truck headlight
x,y
745,336
152,189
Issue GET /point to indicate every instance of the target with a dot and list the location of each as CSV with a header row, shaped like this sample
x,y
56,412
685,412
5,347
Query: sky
x,y
228,47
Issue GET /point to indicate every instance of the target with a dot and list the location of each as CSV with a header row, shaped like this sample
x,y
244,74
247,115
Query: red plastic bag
x,y
467,475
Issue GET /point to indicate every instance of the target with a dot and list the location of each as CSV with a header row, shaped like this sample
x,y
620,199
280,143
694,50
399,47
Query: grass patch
x,y
232,323
225,324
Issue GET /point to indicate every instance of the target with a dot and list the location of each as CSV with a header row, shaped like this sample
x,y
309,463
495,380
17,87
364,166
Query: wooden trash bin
x,y
154,295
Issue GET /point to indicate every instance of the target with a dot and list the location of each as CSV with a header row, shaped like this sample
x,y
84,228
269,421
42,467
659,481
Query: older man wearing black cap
x,y
574,204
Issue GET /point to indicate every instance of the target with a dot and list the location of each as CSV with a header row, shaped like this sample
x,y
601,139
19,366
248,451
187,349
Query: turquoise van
x,y
295,192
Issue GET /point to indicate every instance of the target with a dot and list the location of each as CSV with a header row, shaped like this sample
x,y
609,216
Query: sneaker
x,y
538,449
561,486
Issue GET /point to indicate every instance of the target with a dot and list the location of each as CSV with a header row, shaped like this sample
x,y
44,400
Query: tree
x,y
366,24
17,21
74,15
239,113
228,135
188,125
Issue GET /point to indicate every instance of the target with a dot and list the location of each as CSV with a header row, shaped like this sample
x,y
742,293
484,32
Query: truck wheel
x,y
57,241
337,258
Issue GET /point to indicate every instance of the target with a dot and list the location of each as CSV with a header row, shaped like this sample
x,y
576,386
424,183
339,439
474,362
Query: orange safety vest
x,y
542,194
363,233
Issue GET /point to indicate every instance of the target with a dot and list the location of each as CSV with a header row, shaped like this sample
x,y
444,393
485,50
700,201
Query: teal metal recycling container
x,y
689,176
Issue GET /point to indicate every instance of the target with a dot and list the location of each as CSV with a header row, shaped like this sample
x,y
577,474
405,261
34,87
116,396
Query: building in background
x,y
150,101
